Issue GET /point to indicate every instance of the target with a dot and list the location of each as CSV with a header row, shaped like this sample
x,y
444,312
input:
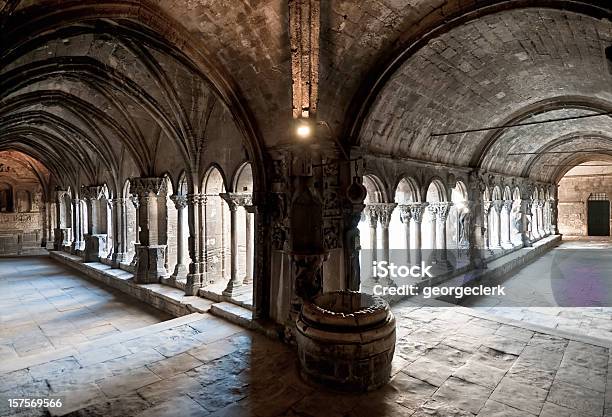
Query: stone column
x,y
119,217
180,270
535,228
498,205
77,224
195,217
248,226
433,227
553,206
372,213
94,241
525,212
487,204
385,211
476,220
406,217
234,286
442,211
134,200
416,211
59,233
543,224
508,236
151,255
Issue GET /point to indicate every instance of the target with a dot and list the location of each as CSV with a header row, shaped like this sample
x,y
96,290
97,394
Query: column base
x,y
193,285
76,247
234,291
118,258
94,245
150,264
180,272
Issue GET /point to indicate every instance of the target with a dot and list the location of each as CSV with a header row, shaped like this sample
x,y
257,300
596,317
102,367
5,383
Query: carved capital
x,y
235,200
179,200
92,192
148,187
417,210
197,199
385,211
440,209
372,213
405,213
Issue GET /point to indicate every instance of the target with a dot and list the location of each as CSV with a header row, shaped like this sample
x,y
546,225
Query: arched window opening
x,y
217,233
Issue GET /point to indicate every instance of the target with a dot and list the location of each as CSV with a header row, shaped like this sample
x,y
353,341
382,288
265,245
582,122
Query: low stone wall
x,y
162,297
499,269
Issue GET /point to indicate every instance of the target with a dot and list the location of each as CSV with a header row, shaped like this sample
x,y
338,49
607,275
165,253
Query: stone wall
x,y
21,206
574,192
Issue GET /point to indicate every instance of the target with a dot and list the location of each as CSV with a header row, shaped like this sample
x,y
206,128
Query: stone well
x,y
346,340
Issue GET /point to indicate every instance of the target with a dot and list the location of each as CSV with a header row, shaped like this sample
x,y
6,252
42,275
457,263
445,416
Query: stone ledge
x,y
499,269
30,361
162,297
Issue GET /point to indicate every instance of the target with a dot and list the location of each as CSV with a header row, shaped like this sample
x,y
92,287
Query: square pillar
x,y
151,254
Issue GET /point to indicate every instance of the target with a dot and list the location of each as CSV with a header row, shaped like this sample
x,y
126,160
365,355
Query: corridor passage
x,y
45,306
569,289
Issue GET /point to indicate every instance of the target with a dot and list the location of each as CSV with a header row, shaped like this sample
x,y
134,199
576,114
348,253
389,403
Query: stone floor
x,y
447,363
45,306
569,289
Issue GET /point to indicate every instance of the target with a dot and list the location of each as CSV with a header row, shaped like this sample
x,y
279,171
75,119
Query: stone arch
x,y
375,189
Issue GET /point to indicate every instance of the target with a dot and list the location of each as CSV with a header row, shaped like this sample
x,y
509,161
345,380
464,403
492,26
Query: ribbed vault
x,y
103,100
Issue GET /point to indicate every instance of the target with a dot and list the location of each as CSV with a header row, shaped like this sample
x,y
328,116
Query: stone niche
x,y
346,341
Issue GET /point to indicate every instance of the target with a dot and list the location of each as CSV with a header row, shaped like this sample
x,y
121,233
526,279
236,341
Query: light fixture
x,y
303,129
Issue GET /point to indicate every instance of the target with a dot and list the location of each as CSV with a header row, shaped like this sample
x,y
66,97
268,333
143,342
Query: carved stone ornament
x,y
145,187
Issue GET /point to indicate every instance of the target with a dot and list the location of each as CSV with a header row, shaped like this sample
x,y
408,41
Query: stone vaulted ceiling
x,y
141,78
514,66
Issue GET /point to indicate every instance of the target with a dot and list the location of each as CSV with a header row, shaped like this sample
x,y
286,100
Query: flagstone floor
x,y
45,306
449,361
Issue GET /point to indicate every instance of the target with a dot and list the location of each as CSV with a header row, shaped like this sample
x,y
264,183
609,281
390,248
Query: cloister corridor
x,y
306,208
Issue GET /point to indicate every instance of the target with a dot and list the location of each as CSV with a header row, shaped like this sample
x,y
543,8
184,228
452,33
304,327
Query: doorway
x,y
598,215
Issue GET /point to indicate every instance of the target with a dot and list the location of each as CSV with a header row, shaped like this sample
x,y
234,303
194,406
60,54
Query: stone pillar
x,y
134,200
498,205
119,217
77,224
553,207
416,211
248,226
195,217
372,213
508,236
535,228
433,227
442,210
406,217
94,242
525,212
180,270
151,255
385,211
234,286
542,222
487,204
60,225
476,220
